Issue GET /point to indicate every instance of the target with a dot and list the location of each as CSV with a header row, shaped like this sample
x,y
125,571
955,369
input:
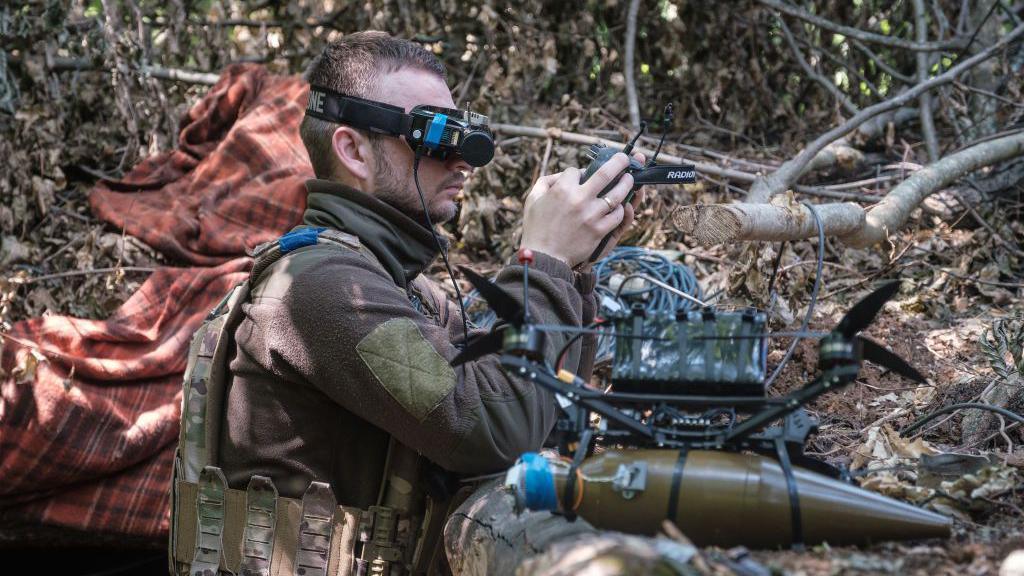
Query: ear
x,y
353,152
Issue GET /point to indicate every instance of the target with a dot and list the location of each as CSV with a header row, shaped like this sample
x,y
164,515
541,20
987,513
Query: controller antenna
x,y
629,147
666,122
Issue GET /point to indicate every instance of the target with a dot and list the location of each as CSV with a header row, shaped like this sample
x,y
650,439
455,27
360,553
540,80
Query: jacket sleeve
x,y
343,326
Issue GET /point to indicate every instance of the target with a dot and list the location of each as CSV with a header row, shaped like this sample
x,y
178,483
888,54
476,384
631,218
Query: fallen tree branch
x,y
711,224
62,64
726,223
892,212
487,536
859,34
789,172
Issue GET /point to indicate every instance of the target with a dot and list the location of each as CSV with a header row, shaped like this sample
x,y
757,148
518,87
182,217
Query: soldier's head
x,y
376,66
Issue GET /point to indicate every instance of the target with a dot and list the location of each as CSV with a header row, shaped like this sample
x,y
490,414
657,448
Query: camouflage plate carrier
x,y
219,530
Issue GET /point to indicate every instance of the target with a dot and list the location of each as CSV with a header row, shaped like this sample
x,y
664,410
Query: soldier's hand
x,y
627,218
567,220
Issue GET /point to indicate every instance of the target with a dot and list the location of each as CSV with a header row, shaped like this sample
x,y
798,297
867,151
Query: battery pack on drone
x,y
690,353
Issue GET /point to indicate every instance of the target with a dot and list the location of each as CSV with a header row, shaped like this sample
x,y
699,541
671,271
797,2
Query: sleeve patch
x,y
407,366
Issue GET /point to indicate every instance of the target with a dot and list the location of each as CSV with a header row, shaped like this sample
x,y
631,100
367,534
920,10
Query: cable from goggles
x,y
430,131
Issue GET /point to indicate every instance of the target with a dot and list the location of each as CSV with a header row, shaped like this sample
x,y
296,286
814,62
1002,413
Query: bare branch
x,y
877,126
927,123
634,108
61,64
845,65
860,34
813,74
881,62
112,270
187,76
788,173
891,213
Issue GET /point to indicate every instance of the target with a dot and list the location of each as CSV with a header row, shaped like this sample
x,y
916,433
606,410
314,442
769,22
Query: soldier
x,y
328,443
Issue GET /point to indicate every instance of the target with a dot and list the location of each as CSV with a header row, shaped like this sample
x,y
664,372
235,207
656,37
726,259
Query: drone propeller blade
x,y
765,335
482,346
864,312
503,305
874,352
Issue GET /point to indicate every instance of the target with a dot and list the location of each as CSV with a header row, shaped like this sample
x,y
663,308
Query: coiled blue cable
x,y
624,261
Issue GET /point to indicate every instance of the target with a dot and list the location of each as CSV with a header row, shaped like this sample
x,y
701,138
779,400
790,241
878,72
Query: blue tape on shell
x,y
298,239
539,483
435,131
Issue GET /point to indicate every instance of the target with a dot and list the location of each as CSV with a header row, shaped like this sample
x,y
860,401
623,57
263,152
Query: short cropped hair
x,y
352,65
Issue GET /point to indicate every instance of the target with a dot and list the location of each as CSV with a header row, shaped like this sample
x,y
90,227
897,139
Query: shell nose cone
x,y
844,514
752,492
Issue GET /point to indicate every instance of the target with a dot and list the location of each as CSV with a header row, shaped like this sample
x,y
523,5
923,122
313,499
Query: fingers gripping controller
x,y
642,174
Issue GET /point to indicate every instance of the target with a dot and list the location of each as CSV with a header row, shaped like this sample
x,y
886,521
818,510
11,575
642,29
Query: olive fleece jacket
x,y
336,352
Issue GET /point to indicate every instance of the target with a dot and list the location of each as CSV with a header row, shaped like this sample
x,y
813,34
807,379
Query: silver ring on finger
x,y
611,207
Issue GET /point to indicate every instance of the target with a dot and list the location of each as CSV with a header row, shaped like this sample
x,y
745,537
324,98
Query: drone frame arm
x,y
832,379
524,368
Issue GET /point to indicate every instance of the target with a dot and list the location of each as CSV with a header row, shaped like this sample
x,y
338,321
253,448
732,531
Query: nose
x,y
455,163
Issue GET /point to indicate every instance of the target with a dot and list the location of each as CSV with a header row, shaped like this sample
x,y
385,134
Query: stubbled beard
x,y
392,189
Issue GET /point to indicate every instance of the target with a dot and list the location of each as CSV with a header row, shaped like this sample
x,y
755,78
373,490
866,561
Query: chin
x,y
446,212
443,212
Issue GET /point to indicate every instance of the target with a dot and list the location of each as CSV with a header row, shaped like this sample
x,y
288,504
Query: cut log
x,y
487,536
726,223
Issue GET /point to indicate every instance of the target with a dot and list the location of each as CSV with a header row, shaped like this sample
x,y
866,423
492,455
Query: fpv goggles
x,y
432,131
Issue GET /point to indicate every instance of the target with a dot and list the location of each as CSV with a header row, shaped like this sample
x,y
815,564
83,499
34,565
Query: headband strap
x,y
357,112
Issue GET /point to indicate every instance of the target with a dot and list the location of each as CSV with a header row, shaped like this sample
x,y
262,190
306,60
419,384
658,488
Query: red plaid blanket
x,y
87,443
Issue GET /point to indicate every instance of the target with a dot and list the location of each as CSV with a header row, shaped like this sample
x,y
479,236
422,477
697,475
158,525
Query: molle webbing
x,y
243,532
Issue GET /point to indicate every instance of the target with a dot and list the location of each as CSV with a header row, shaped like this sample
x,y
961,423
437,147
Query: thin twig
x,y
35,279
547,157
979,442
925,100
845,65
634,108
813,74
878,60
61,64
972,278
980,220
859,34
988,93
